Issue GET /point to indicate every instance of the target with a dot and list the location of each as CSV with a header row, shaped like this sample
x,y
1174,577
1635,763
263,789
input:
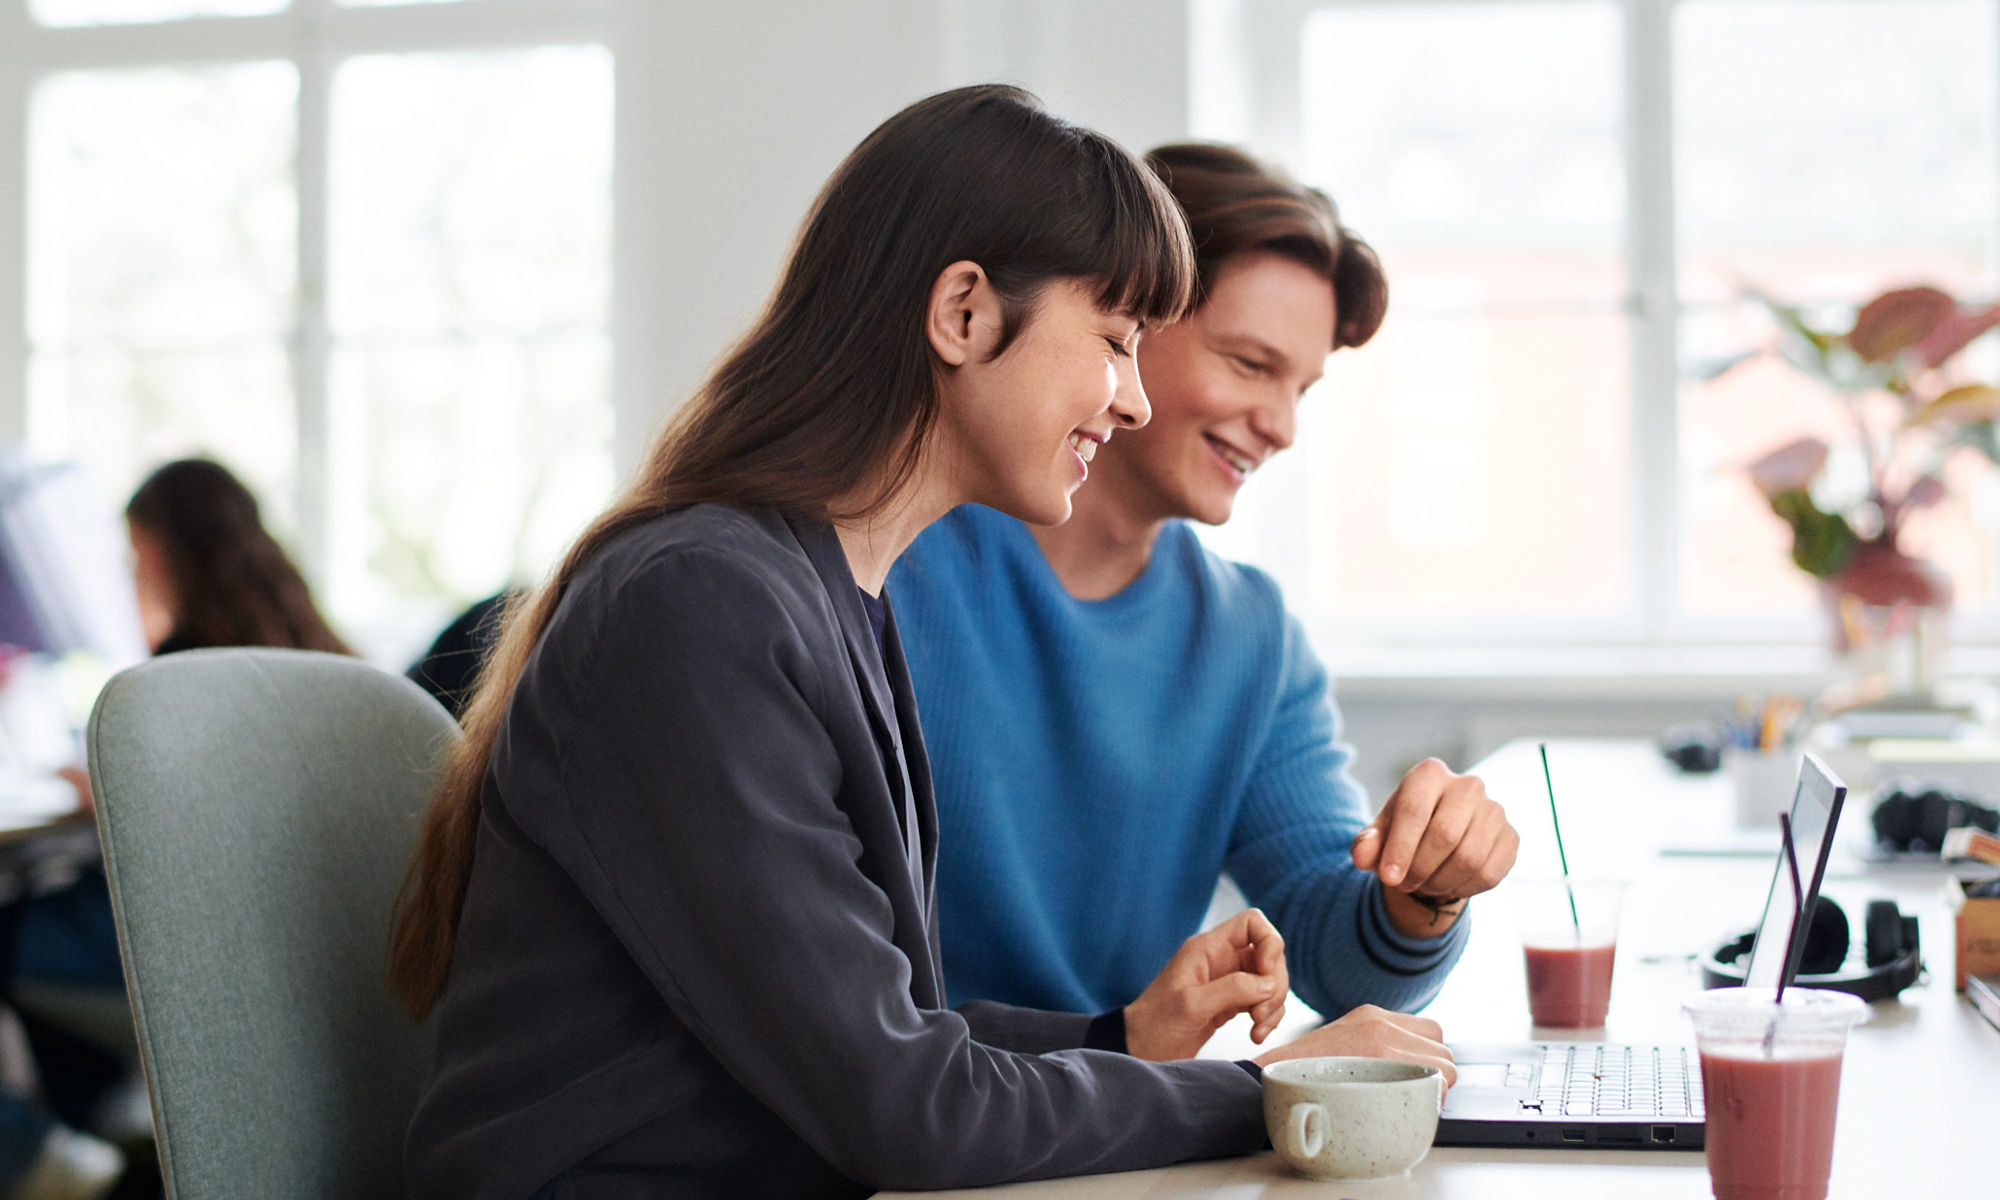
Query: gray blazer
x,y
699,953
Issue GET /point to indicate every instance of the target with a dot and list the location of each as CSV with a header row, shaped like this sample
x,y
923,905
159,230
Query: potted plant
x,y
1847,526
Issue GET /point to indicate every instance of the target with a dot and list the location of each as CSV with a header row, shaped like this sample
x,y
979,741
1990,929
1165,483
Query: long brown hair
x,y
1238,204
233,583
835,381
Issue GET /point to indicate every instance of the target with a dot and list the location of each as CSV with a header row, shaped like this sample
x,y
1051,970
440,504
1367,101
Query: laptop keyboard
x,y
1599,1080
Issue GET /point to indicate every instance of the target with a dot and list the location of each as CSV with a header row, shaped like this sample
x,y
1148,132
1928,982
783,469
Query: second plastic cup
x,y
1770,1076
1569,952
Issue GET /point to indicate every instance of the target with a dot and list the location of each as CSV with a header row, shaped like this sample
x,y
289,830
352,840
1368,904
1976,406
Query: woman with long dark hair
x,y
672,906
1196,728
209,573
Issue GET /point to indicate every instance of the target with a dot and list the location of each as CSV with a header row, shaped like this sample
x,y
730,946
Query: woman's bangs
x,y
1143,258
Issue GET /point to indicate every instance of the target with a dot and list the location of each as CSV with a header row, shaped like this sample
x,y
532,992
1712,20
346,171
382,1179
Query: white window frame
x,y
315,36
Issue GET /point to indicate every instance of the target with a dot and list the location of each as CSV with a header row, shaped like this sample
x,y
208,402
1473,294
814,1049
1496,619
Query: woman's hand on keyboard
x,y
1371,1032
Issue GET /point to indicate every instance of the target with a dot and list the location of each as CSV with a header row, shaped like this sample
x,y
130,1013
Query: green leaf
x,y
1801,345
1822,542
1981,436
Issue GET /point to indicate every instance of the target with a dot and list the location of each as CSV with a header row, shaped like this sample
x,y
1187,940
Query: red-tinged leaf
x,y
1897,320
1791,467
1926,491
1973,402
1955,333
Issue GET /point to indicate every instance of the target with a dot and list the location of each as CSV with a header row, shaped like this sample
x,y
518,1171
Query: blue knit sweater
x,y
1099,764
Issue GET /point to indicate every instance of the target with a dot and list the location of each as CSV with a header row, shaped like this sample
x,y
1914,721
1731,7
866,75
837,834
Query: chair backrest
x,y
257,808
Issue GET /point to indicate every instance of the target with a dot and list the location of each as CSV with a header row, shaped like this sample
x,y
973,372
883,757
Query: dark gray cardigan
x,y
699,953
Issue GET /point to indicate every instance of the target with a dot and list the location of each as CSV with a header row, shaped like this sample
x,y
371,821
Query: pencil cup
x,y
1765,781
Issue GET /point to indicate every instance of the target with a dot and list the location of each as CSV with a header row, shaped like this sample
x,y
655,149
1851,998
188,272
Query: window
x,y
1793,179
1570,197
163,270
469,281
363,259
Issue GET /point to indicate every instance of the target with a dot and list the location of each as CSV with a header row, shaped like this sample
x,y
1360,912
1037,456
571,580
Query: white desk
x,y
1920,1087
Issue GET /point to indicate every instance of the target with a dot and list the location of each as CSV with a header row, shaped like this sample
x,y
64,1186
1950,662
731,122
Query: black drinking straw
x,y
1561,857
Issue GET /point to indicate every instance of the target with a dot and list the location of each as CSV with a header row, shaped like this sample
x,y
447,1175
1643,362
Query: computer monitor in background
x,y
64,583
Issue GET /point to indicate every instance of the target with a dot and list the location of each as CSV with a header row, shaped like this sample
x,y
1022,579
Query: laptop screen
x,y
1815,810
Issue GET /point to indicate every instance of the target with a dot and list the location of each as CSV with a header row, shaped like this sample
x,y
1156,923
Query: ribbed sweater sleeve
x,y
1289,855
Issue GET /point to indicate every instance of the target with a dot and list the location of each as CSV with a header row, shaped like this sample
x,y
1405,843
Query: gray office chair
x,y
256,809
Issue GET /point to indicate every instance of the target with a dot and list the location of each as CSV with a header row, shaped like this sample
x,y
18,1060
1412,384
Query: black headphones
x,y
1891,960
1911,817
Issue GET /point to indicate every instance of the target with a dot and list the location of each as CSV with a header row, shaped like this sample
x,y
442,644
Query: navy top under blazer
x,y
699,956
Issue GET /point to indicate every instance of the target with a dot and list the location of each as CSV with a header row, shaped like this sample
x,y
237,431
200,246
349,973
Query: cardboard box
x,y
1978,923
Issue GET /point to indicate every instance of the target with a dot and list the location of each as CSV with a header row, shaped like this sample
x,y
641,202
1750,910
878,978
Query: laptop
x,y
1606,1095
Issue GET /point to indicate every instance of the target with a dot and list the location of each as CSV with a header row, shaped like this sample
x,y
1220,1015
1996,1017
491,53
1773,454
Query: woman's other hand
x,y
1371,1032
1238,966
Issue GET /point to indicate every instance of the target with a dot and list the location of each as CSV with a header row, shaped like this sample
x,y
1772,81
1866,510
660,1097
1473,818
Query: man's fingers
x,y
1405,817
1483,859
1452,875
1457,817
1367,847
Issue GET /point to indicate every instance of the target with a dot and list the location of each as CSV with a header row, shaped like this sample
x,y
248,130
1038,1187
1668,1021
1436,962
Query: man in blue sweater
x,y
1116,716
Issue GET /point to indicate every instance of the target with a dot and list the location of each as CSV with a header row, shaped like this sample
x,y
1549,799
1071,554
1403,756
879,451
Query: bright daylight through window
x,y
1538,447
427,416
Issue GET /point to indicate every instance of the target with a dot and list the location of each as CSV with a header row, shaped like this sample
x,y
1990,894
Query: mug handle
x,y
1305,1130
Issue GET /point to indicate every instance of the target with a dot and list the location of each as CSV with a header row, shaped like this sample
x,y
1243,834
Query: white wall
x,y
732,115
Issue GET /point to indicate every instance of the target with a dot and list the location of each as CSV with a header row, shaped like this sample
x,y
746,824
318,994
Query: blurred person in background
x,y
1116,716
208,574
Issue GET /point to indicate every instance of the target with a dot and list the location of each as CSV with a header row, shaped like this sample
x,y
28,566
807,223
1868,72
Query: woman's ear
x,y
963,319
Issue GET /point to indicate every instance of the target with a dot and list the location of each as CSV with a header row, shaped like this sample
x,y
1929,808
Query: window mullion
x,y
14,84
319,467
1655,302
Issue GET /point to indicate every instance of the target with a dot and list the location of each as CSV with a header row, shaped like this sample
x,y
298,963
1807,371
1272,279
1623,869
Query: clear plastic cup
x,y
1770,1077
1569,954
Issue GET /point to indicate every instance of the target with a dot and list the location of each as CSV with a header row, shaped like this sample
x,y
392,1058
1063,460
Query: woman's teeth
x,y
1085,447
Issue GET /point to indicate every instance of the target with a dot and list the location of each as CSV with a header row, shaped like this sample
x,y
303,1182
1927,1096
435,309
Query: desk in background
x,y
1920,1086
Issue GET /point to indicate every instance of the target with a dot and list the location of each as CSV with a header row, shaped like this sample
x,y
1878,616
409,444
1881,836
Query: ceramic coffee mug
x,y
1351,1118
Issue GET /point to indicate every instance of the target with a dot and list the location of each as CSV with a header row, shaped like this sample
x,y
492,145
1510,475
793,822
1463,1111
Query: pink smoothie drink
x,y
1569,933
1569,986
1770,1126
1770,1074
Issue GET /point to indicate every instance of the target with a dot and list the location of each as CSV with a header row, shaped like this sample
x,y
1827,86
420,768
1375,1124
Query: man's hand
x,y
1238,966
1371,1032
1438,840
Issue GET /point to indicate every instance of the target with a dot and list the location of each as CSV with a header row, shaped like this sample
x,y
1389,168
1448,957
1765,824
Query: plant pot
x,y
1889,614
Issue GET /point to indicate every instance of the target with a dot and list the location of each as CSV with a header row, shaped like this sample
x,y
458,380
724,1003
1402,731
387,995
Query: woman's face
x,y
1225,386
155,585
1026,425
